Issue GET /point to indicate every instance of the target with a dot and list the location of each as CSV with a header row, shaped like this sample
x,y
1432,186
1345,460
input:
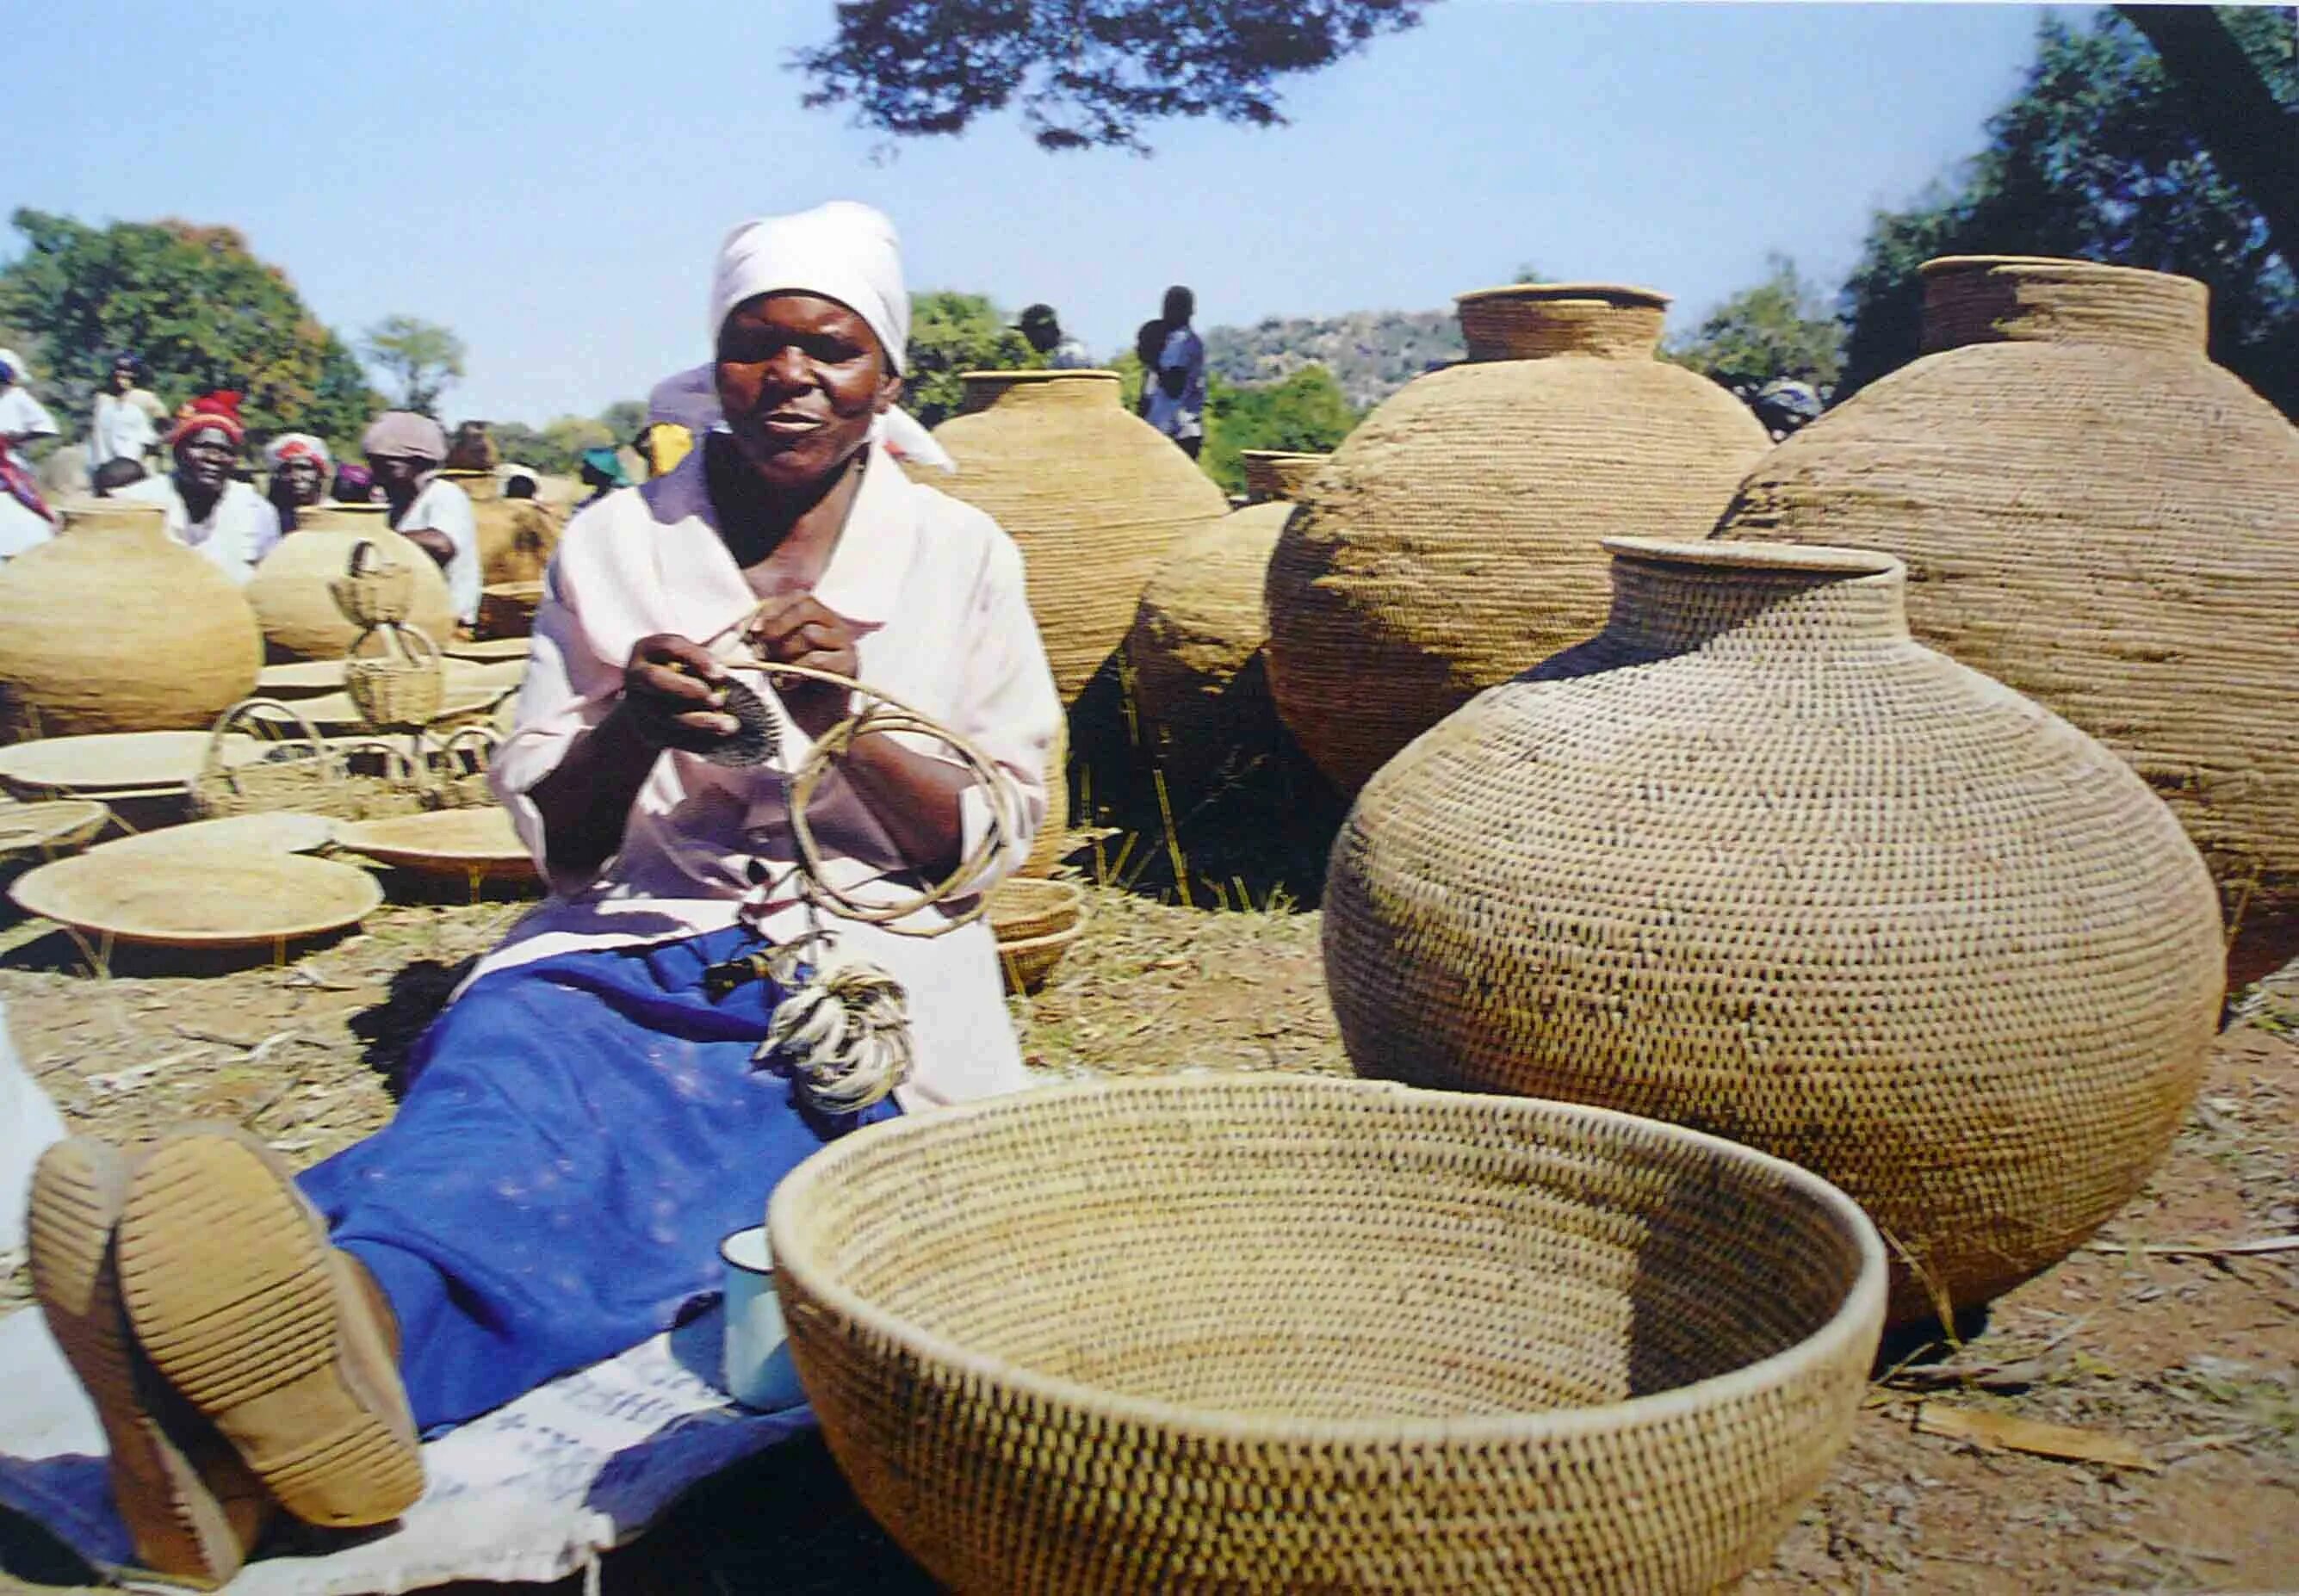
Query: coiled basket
x,y
1222,1333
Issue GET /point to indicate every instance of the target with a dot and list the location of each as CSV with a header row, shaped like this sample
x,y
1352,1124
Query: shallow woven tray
x,y
210,898
1021,909
493,648
335,711
452,842
54,825
272,831
1247,1334
300,679
116,764
306,679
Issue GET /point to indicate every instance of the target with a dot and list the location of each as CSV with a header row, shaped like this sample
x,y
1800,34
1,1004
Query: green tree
x,y
1084,73
1306,412
422,357
2098,156
1782,327
197,304
951,334
624,418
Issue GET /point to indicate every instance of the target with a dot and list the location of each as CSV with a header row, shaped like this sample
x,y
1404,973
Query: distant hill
x,y
1371,354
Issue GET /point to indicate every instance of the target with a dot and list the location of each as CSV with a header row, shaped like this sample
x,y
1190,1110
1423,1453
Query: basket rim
x,y
1819,557
1067,935
1628,295
1862,1307
36,892
2069,266
1099,374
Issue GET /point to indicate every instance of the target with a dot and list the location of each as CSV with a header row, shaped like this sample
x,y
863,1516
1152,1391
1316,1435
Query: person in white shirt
x,y
1177,388
208,509
125,426
405,451
25,518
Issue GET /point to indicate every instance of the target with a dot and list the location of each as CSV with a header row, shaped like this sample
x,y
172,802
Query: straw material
x,y
515,536
492,651
1752,860
373,590
1454,535
1035,922
478,842
1197,637
55,826
279,831
396,677
2096,514
289,590
113,626
205,899
1095,497
507,608
300,679
116,764
265,756
1226,1334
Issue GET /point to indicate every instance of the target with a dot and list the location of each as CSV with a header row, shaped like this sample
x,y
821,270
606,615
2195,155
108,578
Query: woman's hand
x,y
799,629
679,680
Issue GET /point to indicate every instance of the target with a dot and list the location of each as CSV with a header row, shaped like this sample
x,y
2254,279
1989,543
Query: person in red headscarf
x,y
208,509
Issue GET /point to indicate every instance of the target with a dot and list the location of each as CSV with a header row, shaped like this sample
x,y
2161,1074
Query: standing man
x,y
405,451
125,426
208,509
1043,331
1177,388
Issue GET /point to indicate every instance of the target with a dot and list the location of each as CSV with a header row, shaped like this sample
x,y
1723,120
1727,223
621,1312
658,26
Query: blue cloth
x,y
578,1136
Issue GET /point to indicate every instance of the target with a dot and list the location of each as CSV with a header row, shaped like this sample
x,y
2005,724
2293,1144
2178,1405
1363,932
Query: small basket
x,y
373,590
401,686
297,771
1035,922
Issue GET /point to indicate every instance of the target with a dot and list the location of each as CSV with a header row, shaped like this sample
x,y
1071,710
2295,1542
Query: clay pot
x,y
1454,534
1196,644
1752,860
515,536
1095,497
114,626
290,589
2094,513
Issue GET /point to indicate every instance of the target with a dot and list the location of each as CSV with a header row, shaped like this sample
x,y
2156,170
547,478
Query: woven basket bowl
x,y
1035,922
57,825
507,608
290,589
1754,861
1094,496
111,626
1230,1334
2095,513
374,590
396,677
1454,534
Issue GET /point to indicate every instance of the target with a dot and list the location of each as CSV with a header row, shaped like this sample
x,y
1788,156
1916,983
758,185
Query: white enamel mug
x,y
757,1365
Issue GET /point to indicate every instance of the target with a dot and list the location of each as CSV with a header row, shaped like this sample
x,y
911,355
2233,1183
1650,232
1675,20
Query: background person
x,y
299,463
1043,331
208,509
125,423
405,451
1177,397
25,518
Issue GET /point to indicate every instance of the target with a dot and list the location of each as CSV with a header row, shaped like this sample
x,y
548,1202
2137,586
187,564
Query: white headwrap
x,y
292,444
15,362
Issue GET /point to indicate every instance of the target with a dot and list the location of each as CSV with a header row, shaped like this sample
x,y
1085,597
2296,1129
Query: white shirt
x,y
933,590
121,430
1181,415
240,529
21,416
443,507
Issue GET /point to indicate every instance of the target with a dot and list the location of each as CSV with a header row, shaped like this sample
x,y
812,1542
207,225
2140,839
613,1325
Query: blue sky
x,y
551,179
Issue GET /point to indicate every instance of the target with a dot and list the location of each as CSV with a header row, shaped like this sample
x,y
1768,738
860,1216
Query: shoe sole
x,y
182,1527
241,1302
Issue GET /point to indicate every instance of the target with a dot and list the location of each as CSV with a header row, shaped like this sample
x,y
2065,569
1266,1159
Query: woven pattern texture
x,y
1198,678
291,590
2095,513
112,626
1752,860
1454,534
516,536
1230,1334
1095,497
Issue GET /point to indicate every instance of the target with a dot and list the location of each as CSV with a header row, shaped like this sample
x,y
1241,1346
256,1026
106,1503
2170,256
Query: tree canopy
x,y
422,357
1306,412
197,304
2099,156
1782,327
1084,73
952,334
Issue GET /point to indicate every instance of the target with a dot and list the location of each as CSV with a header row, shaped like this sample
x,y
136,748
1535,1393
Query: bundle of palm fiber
x,y
2095,513
1454,535
1755,861
1277,1333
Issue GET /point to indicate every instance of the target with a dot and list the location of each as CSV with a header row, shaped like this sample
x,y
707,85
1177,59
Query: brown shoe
x,y
240,1302
190,1505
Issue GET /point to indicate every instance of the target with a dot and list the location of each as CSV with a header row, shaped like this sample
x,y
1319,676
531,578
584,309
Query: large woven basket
x,y
1273,1335
1752,860
1095,497
1197,636
1454,535
291,589
516,536
112,626
2094,513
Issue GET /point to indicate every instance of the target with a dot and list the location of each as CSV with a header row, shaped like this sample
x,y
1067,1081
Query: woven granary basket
x,y
395,675
1197,635
2094,513
1095,497
1454,535
290,589
113,626
1751,860
516,536
507,608
1222,1333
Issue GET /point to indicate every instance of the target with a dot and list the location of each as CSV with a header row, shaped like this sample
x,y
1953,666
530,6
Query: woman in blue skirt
x,y
587,1119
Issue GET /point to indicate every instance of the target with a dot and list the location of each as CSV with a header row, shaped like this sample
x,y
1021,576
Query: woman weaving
x,y
586,1121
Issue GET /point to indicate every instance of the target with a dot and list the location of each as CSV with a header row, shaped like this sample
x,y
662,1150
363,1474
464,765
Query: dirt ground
x,y
2191,1357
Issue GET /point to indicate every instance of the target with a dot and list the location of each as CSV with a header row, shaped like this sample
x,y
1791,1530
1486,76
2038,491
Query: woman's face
x,y
304,479
801,378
